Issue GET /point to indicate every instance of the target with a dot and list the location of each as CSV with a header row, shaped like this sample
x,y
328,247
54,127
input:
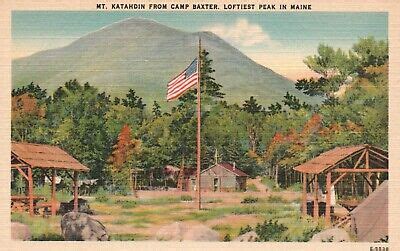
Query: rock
x,y
20,231
179,231
331,235
172,232
200,233
246,237
81,227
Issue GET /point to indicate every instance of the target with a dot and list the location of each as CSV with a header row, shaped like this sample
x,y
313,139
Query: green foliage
x,y
126,204
245,229
309,233
156,109
249,199
42,229
102,195
251,106
270,184
227,238
252,188
276,199
270,231
45,191
296,187
186,197
133,101
35,90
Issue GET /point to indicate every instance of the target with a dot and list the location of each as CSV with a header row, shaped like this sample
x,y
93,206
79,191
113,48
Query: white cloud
x,y
242,33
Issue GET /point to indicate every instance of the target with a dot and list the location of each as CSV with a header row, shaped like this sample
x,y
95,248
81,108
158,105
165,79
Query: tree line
x,y
112,136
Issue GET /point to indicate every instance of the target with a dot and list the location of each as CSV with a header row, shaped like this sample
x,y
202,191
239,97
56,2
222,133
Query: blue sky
x,y
278,40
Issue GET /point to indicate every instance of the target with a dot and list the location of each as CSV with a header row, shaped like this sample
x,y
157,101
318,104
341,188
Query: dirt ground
x,y
146,220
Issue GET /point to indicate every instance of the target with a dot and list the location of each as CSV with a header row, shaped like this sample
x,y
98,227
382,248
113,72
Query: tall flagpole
x,y
198,127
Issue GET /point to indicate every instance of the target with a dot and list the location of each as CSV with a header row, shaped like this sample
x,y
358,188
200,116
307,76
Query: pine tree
x,y
156,109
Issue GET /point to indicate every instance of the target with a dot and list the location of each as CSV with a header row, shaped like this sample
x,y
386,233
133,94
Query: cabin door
x,y
216,184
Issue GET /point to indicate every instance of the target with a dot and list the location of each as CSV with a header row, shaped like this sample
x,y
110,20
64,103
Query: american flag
x,y
183,82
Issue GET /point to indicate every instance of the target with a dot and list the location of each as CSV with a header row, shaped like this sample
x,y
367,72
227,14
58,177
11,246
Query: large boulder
x,y
20,231
331,235
246,237
81,227
200,233
179,231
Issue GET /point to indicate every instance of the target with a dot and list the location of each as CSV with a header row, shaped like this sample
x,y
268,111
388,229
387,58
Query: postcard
x,y
193,125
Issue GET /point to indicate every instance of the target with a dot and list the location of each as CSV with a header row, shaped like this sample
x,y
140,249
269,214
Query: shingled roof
x,y
230,168
45,157
333,157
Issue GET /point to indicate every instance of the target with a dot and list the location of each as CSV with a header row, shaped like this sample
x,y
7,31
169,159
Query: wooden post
x,y
75,191
328,199
30,191
304,196
316,208
367,167
53,193
199,127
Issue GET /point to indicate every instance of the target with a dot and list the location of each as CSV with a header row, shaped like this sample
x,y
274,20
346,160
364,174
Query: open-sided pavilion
x,y
27,156
334,165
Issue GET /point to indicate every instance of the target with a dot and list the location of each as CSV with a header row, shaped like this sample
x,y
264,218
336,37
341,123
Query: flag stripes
x,y
183,82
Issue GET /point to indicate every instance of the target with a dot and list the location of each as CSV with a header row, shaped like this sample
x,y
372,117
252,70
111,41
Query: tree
x,y
35,90
253,116
75,118
122,160
370,52
210,89
156,109
251,106
133,101
294,103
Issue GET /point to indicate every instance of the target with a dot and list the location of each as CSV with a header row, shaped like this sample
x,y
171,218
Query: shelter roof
x,y
45,157
333,157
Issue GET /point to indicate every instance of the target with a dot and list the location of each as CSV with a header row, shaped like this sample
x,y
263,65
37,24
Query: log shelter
x,y
50,159
334,165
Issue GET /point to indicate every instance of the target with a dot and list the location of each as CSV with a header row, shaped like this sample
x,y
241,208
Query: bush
x,y
270,183
186,198
245,229
101,195
227,238
252,188
249,199
126,203
276,199
48,237
309,233
270,231
214,201
296,187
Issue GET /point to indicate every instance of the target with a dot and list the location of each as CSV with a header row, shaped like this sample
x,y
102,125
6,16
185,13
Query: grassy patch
x,y
270,183
186,197
159,201
252,188
41,228
296,187
127,204
214,201
45,191
249,199
276,199
128,237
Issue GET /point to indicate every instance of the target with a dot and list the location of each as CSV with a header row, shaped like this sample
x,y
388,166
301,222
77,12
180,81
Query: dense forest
x,y
113,135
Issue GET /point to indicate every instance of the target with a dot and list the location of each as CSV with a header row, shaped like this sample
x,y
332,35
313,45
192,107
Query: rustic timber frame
x,y
339,162
27,156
